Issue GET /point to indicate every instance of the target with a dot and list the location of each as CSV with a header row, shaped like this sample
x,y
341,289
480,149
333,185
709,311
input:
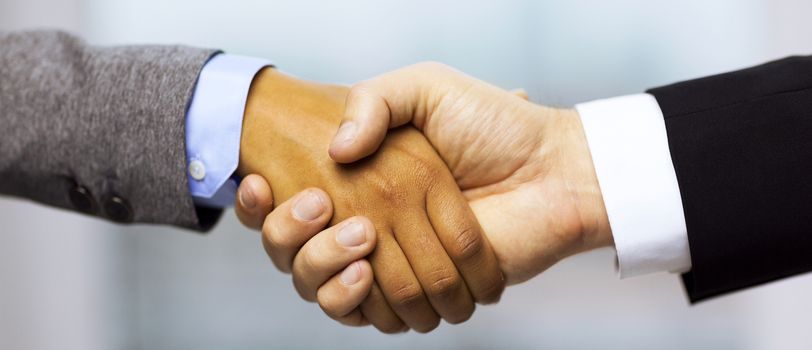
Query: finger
x,y
341,296
399,285
384,102
465,243
354,319
293,223
329,252
365,123
376,309
521,93
254,201
442,283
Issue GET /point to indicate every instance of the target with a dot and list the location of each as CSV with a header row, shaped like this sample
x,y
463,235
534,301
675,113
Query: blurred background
x,y
69,282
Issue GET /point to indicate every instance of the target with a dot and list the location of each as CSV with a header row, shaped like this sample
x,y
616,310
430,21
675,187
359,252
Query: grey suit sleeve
x,y
98,129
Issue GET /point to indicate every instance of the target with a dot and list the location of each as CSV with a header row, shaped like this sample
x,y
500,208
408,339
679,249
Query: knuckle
x,y
271,241
425,328
273,235
330,304
353,319
427,170
389,327
445,286
462,317
390,189
462,314
310,260
407,296
394,195
469,243
303,289
274,258
359,92
492,291
423,172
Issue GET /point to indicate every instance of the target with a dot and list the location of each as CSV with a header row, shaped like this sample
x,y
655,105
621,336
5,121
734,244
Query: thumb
x,y
254,201
386,101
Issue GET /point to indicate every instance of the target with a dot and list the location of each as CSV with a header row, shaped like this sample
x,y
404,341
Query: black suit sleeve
x,y
741,144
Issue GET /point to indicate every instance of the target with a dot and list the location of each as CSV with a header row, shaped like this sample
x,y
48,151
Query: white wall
x,y
65,14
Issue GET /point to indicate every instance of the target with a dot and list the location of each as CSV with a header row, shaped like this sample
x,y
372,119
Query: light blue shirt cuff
x,y
214,127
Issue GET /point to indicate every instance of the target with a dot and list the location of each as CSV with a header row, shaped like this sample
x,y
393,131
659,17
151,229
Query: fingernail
x,y
351,275
308,207
346,133
351,235
247,197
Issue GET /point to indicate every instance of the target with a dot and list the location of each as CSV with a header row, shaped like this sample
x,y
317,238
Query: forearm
x,y
741,150
706,176
107,120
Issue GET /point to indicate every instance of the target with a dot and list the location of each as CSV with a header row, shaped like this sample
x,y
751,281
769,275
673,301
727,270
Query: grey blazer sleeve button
x,y
118,210
82,200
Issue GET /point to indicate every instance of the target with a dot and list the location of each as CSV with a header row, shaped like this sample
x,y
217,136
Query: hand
x,y
339,294
525,169
429,253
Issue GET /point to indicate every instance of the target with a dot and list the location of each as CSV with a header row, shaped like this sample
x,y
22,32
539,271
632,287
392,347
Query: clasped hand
x,y
437,190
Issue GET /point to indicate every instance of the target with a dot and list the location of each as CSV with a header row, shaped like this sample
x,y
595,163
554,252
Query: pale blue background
x,y
68,282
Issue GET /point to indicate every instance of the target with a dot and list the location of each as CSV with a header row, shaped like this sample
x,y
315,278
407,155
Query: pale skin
x,y
524,169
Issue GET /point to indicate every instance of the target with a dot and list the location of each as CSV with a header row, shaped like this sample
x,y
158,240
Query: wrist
x,y
253,103
286,107
276,104
583,181
286,130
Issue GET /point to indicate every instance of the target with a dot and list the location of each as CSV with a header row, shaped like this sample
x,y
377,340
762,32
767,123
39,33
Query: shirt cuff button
x,y
197,170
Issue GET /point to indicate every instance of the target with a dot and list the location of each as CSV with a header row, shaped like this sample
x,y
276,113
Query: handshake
x,y
411,197
415,195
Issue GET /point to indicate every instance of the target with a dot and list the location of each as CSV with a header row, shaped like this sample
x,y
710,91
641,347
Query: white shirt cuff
x,y
214,127
629,146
